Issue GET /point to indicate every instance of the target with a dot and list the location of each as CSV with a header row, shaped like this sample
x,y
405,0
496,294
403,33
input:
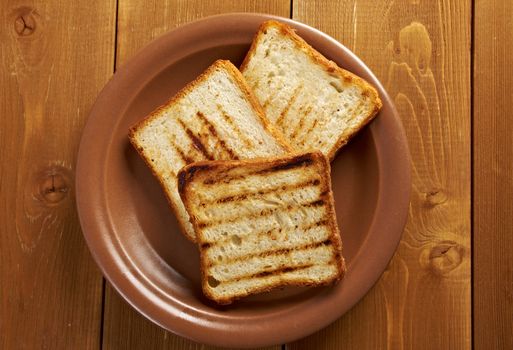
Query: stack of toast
x,y
243,157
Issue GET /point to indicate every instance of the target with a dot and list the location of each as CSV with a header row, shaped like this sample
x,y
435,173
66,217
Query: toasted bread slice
x,y
262,224
214,117
312,101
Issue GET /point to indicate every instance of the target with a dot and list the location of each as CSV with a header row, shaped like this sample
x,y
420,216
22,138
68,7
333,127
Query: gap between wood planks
x,y
104,282
472,27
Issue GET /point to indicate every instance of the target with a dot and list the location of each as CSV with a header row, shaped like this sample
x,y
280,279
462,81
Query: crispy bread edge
x,y
335,236
330,66
188,173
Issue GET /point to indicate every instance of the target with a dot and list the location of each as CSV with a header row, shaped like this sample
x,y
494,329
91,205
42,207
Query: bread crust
x,y
190,172
239,79
330,66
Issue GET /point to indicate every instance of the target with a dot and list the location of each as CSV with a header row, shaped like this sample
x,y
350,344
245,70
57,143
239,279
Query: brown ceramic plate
x,y
135,239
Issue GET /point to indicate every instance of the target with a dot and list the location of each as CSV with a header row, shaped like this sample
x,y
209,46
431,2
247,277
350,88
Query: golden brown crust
x,y
265,289
330,66
187,174
237,76
334,232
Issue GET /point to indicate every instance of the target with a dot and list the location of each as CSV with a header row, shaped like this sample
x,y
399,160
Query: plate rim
x,y
94,224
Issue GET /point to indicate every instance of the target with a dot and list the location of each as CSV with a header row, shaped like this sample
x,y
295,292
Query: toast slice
x,y
214,117
312,101
263,223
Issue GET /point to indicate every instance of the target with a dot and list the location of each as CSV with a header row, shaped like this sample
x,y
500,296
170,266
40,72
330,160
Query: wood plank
x,y
493,175
421,52
138,23
55,57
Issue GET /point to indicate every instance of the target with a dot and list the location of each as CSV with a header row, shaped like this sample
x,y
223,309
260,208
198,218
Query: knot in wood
x,y
53,186
25,21
445,257
435,197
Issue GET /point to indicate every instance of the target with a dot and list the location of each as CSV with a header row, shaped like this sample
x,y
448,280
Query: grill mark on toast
x,y
264,212
312,127
267,273
302,137
228,150
275,252
281,271
225,179
300,125
196,141
316,203
302,119
185,158
213,131
323,123
289,104
229,120
319,122
319,223
277,189
299,161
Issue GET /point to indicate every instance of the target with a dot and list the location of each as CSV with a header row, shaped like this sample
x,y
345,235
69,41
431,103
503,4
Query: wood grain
x,y
55,57
421,52
493,175
138,23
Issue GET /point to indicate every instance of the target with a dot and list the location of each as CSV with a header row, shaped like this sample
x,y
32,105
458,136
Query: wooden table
x,y
448,66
